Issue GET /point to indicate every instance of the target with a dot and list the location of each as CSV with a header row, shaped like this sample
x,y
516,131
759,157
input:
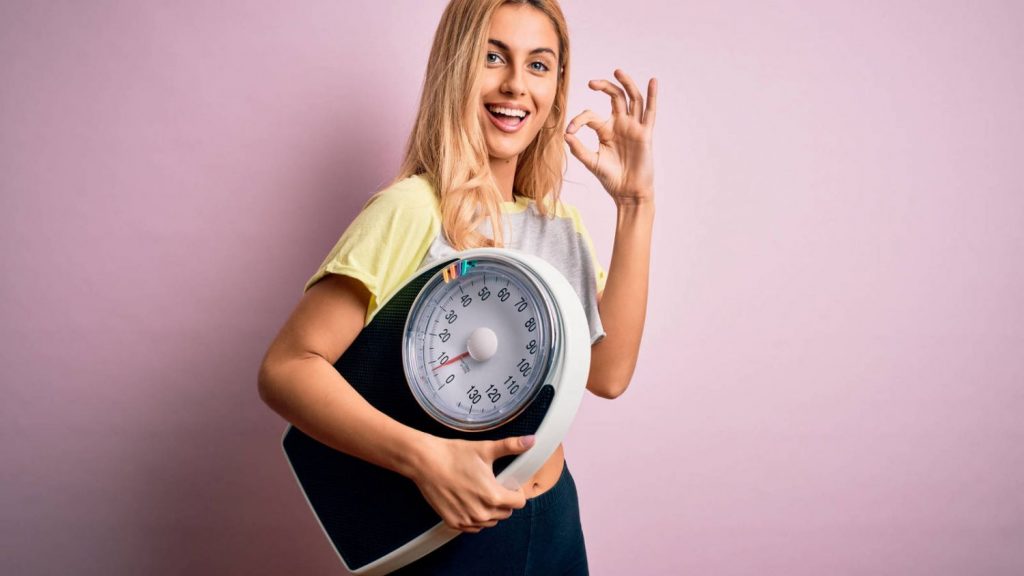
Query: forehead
x,y
522,27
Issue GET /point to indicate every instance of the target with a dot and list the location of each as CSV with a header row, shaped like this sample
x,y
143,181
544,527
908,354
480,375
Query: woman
x,y
487,148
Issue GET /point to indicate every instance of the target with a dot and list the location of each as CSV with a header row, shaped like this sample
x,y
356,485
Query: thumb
x,y
512,445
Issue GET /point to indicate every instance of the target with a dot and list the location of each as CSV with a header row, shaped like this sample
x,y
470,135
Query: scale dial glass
x,y
479,342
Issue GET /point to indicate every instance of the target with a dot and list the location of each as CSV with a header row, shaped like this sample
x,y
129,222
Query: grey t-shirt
x,y
399,231
562,241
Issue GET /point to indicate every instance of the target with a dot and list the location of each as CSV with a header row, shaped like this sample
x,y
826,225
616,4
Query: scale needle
x,y
453,360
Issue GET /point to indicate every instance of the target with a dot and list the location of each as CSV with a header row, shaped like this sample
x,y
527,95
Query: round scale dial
x,y
480,339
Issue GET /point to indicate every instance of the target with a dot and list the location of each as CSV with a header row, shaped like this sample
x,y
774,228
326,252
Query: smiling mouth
x,y
506,120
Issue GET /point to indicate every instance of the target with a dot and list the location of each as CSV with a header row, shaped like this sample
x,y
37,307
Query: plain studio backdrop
x,y
831,379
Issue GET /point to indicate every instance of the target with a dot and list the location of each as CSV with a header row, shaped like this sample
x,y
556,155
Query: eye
x,y
543,66
495,55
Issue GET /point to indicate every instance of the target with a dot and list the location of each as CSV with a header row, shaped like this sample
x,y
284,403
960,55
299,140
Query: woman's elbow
x,y
607,388
266,383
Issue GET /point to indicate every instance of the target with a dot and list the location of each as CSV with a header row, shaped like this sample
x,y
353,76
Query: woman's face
x,y
520,76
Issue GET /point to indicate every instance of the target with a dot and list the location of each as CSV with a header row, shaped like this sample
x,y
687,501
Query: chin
x,y
506,155
503,146
502,150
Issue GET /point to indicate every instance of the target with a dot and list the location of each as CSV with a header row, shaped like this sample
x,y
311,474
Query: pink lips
x,y
510,126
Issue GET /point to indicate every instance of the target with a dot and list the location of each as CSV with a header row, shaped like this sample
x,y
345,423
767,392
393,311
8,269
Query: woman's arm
x,y
624,164
297,379
623,304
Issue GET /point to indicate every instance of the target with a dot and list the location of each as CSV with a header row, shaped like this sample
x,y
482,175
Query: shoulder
x,y
414,194
569,212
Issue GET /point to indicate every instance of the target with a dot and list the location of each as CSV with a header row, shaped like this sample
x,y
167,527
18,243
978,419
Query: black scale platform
x,y
368,511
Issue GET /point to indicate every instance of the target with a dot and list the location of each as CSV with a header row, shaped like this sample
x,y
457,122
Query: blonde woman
x,y
483,167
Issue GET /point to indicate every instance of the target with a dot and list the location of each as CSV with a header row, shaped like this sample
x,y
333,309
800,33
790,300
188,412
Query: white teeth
x,y
508,111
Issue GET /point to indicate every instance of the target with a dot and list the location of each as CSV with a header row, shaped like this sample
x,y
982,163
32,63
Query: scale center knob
x,y
482,344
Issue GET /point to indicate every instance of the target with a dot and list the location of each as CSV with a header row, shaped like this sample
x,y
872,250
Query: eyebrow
x,y
505,47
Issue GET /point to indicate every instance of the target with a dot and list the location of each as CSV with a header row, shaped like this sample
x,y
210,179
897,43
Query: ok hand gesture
x,y
624,161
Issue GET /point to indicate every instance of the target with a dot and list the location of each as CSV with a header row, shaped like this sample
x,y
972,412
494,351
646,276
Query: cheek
x,y
490,82
546,95
488,87
545,101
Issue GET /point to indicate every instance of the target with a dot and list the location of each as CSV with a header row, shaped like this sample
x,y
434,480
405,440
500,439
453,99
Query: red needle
x,y
456,359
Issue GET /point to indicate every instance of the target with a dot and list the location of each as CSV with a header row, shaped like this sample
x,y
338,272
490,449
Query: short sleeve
x,y
600,274
385,243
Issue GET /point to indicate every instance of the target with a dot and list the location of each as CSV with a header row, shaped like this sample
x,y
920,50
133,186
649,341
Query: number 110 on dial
x,y
479,341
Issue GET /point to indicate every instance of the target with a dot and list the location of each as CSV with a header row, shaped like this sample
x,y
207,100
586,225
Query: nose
x,y
514,83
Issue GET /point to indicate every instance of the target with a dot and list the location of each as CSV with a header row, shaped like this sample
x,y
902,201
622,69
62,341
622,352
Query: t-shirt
x,y
399,231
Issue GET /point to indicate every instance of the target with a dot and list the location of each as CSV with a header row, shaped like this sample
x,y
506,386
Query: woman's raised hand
x,y
458,481
624,162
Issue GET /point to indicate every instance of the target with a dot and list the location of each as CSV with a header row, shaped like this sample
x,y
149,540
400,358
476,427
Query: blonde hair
x,y
447,144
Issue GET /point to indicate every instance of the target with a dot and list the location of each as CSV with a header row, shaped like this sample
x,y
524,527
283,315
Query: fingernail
x,y
527,441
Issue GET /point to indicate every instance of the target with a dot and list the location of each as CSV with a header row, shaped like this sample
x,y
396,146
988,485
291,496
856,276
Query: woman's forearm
x,y
623,305
312,395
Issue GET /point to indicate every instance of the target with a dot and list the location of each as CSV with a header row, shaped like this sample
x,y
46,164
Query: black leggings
x,y
542,538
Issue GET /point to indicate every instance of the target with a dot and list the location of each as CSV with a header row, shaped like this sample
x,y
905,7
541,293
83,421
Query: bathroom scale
x,y
483,345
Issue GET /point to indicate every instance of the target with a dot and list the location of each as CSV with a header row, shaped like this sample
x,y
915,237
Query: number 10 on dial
x,y
479,342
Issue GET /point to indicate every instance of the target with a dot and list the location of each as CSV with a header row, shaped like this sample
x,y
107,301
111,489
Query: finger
x,y
652,102
636,100
476,528
584,118
481,518
618,96
503,499
592,121
451,522
510,446
509,500
580,151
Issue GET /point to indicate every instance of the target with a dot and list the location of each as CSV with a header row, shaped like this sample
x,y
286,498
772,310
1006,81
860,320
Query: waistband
x,y
556,496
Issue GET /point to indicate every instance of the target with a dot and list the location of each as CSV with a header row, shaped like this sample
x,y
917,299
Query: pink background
x,y
832,378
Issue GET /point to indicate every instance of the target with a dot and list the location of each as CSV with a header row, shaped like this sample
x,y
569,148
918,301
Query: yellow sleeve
x,y
385,243
601,275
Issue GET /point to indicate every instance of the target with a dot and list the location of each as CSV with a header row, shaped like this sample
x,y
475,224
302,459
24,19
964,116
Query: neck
x,y
504,172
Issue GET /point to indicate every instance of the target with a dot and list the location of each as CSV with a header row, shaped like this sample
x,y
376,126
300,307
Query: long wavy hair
x,y
447,144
